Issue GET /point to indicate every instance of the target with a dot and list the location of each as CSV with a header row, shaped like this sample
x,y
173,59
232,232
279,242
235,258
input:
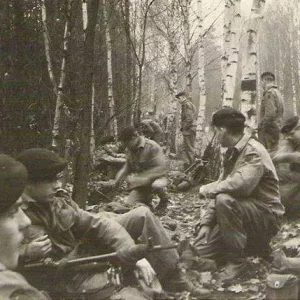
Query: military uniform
x,y
188,129
271,114
65,223
145,162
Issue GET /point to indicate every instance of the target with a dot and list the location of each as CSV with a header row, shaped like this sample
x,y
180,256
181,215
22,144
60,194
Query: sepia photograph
x,y
149,149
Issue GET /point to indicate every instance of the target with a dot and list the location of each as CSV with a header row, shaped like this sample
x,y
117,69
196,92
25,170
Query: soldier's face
x,y
222,136
181,99
294,135
44,191
12,224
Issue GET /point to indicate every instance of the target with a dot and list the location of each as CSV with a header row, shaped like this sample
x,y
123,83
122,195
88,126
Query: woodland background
x,y
73,71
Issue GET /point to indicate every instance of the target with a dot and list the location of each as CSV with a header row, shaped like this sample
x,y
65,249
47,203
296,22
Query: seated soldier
x,y
145,167
151,130
13,221
59,225
287,163
245,210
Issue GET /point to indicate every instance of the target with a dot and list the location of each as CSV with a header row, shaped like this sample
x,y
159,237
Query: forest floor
x,y
185,211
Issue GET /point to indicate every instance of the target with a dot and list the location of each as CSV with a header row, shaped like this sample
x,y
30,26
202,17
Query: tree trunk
x,y
202,86
82,165
56,136
234,24
250,65
113,129
47,48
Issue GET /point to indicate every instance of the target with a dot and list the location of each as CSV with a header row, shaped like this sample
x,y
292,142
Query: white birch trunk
x,y
234,34
173,107
47,48
202,86
84,17
111,103
92,139
59,101
250,64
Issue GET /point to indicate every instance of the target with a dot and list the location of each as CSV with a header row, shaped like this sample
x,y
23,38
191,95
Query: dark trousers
x,y
243,228
269,136
189,147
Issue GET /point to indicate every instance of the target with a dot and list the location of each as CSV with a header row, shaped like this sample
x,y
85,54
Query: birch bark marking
x,y
201,77
59,100
250,68
234,35
111,103
173,107
47,47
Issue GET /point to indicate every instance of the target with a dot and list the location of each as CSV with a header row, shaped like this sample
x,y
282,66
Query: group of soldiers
x,y
39,222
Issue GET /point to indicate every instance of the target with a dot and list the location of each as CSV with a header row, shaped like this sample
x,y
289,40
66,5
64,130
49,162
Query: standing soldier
x,y
271,113
188,127
13,222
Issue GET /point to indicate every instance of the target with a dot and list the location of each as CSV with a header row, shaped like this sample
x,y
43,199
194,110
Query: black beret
x,y
267,75
127,133
13,179
289,124
42,163
183,93
228,117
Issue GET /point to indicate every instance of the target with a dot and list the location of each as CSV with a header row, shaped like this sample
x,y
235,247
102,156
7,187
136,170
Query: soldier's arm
x,y
122,174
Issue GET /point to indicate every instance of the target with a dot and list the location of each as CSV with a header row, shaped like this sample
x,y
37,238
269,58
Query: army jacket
x,y
252,175
66,224
271,110
15,287
188,117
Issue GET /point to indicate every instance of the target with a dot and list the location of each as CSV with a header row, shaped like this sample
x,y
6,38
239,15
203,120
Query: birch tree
x,y
201,78
250,61
113,129
59,100
232,33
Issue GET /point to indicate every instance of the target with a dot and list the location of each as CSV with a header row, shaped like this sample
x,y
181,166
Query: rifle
x,y
92,262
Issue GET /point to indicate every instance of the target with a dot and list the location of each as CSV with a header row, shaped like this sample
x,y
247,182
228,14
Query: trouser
x,y
243,228
144,194
141,224
269,137
188,147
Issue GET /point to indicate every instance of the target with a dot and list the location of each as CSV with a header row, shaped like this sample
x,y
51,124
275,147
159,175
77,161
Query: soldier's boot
x,y
163,202
176,281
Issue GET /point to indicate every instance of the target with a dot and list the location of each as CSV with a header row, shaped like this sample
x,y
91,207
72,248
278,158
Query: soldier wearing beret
x,y
271,113
188,127
287,163
13,222
58,224
244,211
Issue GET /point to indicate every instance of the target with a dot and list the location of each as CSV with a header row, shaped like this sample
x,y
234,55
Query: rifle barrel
x,y
98,258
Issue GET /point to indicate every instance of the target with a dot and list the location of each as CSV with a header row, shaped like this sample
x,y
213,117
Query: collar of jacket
x,y
240,145
273,86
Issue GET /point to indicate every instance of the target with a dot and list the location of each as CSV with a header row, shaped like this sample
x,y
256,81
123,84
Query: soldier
x,y
287,163
151,130
13,222
271,113
146,167
244,212
58,224
188,127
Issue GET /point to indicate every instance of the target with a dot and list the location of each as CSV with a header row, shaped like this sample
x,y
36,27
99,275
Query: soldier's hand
x,y
39,248
133,253
203,233
145,271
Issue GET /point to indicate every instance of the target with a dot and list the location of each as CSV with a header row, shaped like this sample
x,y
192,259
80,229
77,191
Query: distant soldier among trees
x,y
188,127
271,113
